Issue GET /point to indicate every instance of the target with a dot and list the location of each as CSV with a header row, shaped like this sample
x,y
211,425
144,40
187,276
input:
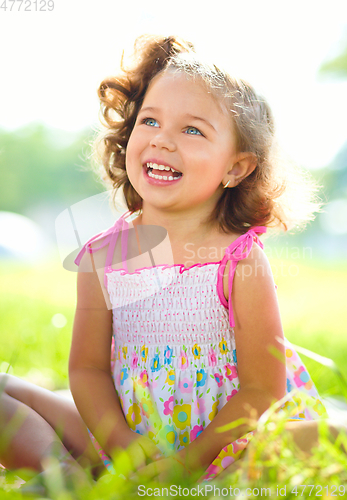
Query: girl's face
x,y
180,127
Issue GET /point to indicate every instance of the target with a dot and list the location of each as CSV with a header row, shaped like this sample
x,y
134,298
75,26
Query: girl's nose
x,y
163,140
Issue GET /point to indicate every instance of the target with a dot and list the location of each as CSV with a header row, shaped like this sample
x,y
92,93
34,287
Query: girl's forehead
x,y
180,81
184,89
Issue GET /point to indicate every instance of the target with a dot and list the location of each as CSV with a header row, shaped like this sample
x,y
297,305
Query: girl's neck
x,y
180,228
191,240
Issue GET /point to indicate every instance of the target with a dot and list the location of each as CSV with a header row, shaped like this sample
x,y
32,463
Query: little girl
x,y
179,290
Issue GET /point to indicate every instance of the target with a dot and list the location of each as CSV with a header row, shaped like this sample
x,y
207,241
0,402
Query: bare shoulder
x,y
254,292
255,268
91,290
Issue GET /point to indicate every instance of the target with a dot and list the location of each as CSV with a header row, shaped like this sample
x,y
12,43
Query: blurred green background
x,y
41,176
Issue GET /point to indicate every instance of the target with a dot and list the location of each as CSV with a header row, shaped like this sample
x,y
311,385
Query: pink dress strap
x,y
110,238
237,251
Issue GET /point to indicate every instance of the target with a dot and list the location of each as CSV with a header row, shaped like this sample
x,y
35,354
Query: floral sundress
x,y
174,358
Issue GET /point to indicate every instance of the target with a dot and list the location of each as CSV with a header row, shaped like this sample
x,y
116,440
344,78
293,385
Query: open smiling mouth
x,y
161,172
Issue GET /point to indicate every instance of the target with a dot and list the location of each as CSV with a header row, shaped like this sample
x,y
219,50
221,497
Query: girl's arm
x,y
262,376
89,366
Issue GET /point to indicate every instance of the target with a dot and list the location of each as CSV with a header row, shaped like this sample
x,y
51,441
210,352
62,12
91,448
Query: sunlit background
x,y
51,66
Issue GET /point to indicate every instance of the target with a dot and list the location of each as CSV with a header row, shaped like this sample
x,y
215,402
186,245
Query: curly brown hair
x,y
275,194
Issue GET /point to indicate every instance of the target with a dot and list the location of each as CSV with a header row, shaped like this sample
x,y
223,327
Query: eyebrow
x,y
199,118
188,115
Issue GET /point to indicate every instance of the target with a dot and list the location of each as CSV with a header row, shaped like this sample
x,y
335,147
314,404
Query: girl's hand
x,y
142,451
163,470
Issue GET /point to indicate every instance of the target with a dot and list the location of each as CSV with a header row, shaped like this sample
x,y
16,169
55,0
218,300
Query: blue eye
x,y
151,122
194,130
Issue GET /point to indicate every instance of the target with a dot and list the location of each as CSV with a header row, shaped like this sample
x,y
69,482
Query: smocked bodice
x,y
168,304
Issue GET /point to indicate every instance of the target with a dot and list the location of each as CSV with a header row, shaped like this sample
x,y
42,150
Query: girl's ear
x,y
243,166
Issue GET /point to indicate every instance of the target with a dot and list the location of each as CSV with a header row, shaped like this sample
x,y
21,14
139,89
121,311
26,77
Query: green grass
x,y
30,343
272,467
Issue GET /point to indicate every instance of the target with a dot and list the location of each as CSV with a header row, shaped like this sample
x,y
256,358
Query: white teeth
x,y
162,177
160,167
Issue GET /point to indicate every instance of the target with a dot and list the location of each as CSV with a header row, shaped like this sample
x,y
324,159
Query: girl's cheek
x,y
132,146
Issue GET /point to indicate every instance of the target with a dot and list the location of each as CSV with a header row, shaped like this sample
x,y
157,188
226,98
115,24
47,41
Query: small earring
x,y
227,184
